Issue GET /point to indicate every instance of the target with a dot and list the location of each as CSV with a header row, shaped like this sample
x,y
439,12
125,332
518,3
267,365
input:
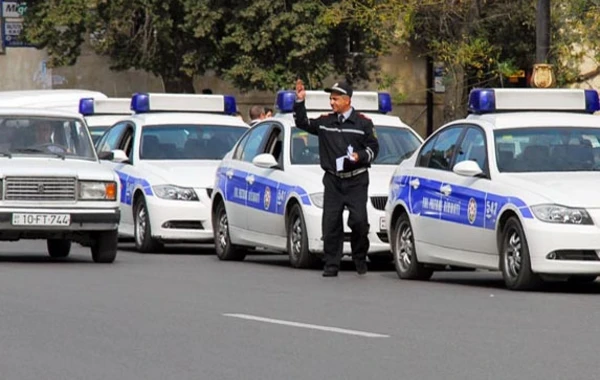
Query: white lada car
x,y
100,114
269,190
166,156
52,185
513,187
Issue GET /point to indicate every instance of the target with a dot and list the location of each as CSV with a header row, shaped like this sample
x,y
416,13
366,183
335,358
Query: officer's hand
x,y
300,91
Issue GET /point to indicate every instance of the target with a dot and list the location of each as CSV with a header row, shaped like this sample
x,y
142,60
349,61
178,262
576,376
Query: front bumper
x,y
563,249
181,221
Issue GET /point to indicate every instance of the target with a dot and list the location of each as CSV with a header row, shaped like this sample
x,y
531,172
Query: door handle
x,y
446,190
250,179
229,174
415,183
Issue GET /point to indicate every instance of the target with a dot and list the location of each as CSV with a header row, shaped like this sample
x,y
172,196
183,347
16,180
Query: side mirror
x,y
106,156
265,160
467,169
119,156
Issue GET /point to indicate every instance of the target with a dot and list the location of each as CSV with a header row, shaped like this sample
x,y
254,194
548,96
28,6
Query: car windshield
x,y
97,132
547,149
395,144
65,137
188,142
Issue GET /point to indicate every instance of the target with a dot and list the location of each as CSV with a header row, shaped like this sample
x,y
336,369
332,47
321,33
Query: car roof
x,y
167,118
38,112
378,119
510,120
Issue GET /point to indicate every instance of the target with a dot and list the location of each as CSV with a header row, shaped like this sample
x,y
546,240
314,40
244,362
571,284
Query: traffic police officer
x,y
347,146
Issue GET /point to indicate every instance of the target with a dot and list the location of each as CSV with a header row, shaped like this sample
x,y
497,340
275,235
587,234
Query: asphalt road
x,y
183,314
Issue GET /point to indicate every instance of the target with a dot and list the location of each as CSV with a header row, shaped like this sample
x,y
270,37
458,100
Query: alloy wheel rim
x,y
513,254
223,231
404,248
296,238
141,226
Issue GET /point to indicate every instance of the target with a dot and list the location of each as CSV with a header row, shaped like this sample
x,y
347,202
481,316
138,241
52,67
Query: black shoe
x,y
361,267
330,272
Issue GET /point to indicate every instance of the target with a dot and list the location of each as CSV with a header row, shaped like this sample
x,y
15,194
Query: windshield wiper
x,y
5,154
34,150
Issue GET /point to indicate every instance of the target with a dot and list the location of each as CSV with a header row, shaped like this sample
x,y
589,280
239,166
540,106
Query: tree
x,y
267,44
150,35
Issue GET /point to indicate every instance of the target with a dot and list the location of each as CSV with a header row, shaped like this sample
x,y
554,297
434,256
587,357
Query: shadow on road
x,y
42,258
282,260
175,249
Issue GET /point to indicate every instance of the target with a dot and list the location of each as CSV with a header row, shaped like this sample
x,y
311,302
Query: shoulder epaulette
x,y
363,116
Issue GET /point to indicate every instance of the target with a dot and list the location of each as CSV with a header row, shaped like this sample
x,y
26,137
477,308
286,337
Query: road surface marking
x,y
307,325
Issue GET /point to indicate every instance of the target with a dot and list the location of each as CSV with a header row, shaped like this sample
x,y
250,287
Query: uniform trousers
x,y
350,193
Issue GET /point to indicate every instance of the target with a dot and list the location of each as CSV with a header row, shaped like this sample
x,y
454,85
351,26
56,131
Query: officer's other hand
x,y
300,91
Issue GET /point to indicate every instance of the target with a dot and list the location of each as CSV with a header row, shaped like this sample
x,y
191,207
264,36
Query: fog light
x,y
551,256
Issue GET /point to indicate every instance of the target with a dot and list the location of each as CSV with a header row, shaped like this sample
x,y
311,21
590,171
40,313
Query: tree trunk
x,y
180,84
455,101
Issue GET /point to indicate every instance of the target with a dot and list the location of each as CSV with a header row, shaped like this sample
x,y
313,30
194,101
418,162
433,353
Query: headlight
x,y
317,199
97,191
561,214
175,193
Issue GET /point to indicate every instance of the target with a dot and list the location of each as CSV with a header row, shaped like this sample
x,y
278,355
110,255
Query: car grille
x,y
40,189
379,202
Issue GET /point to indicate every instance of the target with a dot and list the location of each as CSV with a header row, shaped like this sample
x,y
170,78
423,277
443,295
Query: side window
x,y
255,140
443,149
274,144
472,148
127,143
111,139
425,153
237,155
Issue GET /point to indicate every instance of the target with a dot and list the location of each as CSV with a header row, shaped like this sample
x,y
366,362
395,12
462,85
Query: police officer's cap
x,y
340,87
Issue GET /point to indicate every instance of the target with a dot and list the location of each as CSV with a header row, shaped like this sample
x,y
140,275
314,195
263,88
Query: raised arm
x,y
300,117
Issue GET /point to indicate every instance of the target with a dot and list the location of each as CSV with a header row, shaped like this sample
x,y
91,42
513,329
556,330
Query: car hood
x,y
55,167
310,177
574,189
185,173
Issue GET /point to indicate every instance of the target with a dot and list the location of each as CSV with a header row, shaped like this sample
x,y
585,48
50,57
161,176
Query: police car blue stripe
x,y
131,182
263,194
463,205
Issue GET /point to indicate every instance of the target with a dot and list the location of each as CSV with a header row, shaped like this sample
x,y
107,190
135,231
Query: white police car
x,y
52,186
513,187
100,114
269,190
166,156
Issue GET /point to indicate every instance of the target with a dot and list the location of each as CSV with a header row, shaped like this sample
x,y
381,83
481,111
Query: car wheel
x,y
142,229
297,241
104,246
223,247
404,253
515,262
381,259
58,247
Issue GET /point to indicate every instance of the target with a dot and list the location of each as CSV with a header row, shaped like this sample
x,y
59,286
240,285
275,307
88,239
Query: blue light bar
x,y
230,105
385,102
285,101
86,106
592,102
140,102
482,101
160,102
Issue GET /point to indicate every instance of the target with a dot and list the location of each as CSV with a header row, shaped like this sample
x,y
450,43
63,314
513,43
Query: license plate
x,y
19,219
382,225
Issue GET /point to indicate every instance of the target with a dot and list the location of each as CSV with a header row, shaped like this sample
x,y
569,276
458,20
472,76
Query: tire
x,y
381,259
58,248
515,262
297,241
104,247
142,231
404,252
223,247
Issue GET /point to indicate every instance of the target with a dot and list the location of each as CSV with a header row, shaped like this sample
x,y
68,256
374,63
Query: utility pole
x,y
543,75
